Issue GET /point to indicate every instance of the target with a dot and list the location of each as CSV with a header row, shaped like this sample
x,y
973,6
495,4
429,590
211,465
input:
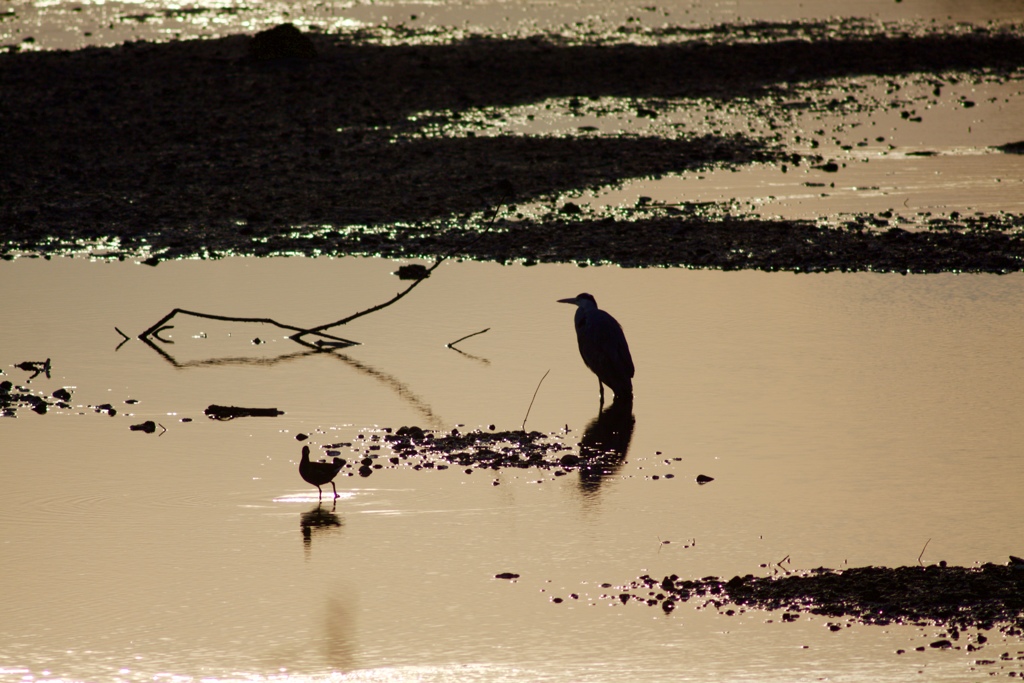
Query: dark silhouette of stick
x,y
533,399
327,340
161,325
451,345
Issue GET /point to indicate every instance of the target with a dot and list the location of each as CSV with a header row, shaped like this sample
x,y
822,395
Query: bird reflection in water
x,y
605,443
317,521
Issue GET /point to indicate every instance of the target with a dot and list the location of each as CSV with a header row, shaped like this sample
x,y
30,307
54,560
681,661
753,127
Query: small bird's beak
x,y
567,301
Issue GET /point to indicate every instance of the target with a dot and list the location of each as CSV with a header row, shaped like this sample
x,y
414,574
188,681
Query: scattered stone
x,y
148,427
704,479
412,271
506,575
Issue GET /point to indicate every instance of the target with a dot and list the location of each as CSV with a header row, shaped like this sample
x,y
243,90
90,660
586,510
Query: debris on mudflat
x,y
483,449
473,450
36,367
216,412
148,427
106,408
13,397
704,479
958,598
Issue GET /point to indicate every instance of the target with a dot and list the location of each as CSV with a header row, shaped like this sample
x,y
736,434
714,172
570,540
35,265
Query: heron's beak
x,y
567,301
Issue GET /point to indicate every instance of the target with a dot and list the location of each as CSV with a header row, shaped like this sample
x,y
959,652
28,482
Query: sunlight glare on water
x,y
847,420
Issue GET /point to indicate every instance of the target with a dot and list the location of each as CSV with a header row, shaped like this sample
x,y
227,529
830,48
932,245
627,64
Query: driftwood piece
x,y
216,412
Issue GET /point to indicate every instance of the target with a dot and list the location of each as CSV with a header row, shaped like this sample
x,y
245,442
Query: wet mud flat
x,y
330,145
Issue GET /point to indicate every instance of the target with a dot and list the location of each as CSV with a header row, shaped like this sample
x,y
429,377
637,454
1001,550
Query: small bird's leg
x,y
335,491
321,497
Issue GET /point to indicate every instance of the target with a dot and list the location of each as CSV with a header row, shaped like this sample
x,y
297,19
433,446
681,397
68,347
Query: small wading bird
x,y
603,347
319,473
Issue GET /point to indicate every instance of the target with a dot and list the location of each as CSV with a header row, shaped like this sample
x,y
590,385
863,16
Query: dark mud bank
x,y
958,598
211,148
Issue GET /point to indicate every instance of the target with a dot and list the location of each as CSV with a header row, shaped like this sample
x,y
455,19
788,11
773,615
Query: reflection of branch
x,y
469,355
396,385
451,345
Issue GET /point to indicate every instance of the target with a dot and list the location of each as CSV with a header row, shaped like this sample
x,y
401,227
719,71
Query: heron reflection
x,y
605,443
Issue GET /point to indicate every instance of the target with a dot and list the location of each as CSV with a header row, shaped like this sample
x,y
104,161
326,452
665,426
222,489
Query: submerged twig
x,y
451,345
922,552
161,325
124,340
533,399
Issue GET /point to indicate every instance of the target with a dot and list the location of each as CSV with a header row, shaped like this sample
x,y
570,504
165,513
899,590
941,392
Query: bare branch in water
x,y
451,345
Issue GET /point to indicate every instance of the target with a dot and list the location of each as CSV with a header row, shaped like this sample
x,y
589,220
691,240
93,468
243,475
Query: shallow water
x,y
848,420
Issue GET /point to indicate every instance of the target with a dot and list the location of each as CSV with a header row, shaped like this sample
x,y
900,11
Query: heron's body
x,y
319,473
603,347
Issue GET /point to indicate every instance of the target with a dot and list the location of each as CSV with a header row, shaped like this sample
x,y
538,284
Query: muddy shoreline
x,y
217,147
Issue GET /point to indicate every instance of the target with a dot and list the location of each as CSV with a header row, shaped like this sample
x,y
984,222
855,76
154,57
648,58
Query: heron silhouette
x,y
319,473
603,347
